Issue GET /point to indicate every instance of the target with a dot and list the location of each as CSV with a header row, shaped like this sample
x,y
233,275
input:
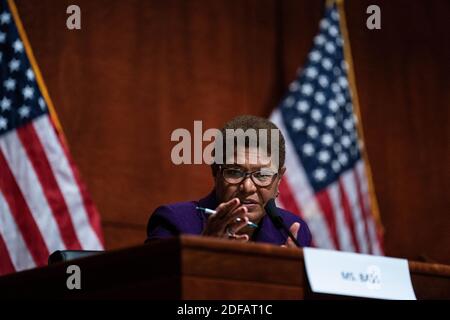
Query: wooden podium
x,y
191,267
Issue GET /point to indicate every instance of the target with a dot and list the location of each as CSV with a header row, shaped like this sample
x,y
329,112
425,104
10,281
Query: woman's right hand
x,y
223,223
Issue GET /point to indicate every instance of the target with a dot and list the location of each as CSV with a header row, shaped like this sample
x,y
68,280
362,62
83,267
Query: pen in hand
x,y
210,212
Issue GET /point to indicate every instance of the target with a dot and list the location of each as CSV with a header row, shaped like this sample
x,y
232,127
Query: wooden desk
x,y
195,268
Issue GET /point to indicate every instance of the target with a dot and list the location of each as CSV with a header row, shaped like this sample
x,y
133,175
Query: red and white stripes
x,y
43,205
338,216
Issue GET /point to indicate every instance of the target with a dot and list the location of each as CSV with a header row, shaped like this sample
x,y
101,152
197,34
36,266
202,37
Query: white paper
x,y
360,275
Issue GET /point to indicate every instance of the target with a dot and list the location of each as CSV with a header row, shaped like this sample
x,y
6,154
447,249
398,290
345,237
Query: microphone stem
x,y
280,224
292,237
272,211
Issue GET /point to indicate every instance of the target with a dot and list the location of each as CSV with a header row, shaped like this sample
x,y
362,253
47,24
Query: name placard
x,y
359,275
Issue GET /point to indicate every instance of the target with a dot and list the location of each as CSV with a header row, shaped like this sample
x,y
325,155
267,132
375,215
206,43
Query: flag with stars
x,y
326,181
43,204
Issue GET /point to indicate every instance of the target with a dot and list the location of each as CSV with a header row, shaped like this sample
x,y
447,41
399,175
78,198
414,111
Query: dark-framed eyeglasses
x,y
263,177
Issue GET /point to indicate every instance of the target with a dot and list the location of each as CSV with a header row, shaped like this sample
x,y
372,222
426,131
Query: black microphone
x,y
277,219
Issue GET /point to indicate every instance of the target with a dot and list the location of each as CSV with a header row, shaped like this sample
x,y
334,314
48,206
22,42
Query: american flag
x,y
326,181
43,204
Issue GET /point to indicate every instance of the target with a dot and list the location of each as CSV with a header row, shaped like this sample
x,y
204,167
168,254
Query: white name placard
x,y
360,275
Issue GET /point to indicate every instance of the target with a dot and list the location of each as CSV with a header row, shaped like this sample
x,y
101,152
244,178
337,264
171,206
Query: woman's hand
x,y
223,223
294,230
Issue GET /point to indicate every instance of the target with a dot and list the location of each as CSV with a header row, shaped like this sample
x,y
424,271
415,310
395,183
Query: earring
x,y
277,194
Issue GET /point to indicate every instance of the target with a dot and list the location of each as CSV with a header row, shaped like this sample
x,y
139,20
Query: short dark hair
x,y
246,122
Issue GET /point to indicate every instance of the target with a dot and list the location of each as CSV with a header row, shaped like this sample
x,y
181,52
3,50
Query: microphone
x,y
277,219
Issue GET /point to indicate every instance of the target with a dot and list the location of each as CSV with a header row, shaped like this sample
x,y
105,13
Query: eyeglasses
x,y
262,178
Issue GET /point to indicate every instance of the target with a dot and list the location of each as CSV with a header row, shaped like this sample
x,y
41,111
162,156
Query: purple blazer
x,y
183,218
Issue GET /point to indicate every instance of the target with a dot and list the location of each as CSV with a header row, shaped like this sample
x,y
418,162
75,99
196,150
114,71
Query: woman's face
x,y
250,195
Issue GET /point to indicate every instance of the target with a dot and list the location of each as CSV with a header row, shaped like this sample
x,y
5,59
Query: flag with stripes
x,y
43,204
326,181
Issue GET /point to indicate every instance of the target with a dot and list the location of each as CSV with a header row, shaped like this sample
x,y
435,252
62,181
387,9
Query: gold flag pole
x,y
36,70
352,82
